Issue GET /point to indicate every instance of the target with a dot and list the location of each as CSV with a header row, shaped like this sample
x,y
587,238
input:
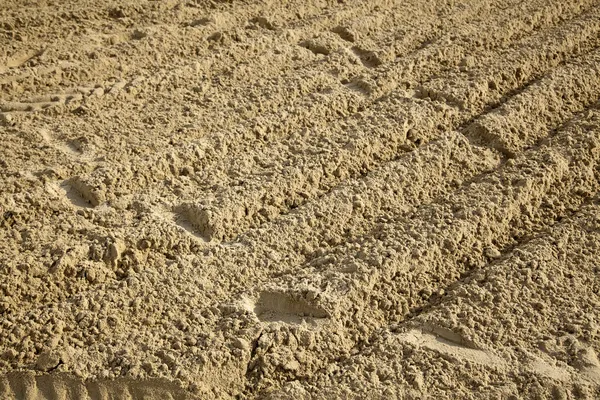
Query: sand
x,y
299,199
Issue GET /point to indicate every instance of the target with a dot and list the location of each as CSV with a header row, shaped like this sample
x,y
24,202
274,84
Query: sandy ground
x,y
289,199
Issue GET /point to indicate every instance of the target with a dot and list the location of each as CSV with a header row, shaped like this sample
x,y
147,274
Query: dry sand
x,y
299,199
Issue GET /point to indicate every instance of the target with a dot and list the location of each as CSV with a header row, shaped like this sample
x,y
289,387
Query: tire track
x,y
513,279
408,260
488,84
398,187
530,282
389,201
197,31
258,257
433,158
549,282
523,119
310,170
387,193
558,81
290,60
249,204
329,105
211,151
376,194
29,386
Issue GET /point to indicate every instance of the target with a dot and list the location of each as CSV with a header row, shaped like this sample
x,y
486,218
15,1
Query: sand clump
x,y
285,200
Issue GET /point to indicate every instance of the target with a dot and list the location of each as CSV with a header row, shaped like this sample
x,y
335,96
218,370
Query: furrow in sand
x,y
390,192
385,276
312,14
332,73
230,100
228,143
326,210
255,55
437,162
417,177
247,37
315,160
218,148
309,166
356,215
356,206
529,317
326,98
523,119
566,90
508,71
555,268
314,93
353,289
386,193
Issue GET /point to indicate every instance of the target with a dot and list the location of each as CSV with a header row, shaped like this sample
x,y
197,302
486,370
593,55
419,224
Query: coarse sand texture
x,y
286,199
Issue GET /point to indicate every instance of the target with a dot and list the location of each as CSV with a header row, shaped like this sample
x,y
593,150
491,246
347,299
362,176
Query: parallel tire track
x,y
242,197
439,242
549,283
239,208
209,152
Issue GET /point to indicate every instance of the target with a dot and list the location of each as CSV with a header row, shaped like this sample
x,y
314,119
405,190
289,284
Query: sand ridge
x,y
322,199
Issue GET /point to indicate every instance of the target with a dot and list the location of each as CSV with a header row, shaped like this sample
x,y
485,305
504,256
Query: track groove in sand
x,y
433,64
227,214
328,281
218,144
300,200
236,159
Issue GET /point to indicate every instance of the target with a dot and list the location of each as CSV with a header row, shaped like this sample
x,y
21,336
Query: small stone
x,y
52,343
144,244
169,359
83,303
47,360
351,268
91,275
6,118
10,354
98,92
102,325
492,252
114,252
411,135
418,381
190,341
241,344
291,365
